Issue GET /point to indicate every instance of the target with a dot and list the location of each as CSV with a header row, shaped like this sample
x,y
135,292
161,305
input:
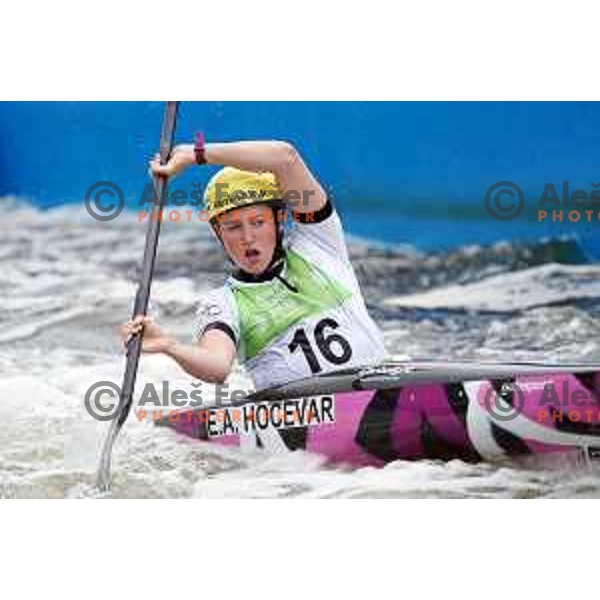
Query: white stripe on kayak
x,y
269,438
478,425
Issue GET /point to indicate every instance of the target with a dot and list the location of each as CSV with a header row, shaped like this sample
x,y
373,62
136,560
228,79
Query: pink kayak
x,y
413,410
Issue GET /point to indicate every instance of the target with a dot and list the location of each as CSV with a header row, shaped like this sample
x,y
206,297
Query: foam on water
x,y
68,282
537,286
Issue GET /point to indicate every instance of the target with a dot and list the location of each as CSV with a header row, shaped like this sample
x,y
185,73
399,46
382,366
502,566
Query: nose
x,y
247,233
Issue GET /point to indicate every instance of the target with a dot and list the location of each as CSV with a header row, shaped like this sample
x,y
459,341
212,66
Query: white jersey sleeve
x,y
321,241
320,234
217,310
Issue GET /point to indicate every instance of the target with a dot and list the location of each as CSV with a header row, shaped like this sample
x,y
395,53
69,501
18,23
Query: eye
x,y
232,226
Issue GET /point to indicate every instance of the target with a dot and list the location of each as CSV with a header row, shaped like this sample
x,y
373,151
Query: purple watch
x,y
199,148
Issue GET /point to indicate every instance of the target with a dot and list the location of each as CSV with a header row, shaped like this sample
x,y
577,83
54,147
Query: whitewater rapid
x,y
68,282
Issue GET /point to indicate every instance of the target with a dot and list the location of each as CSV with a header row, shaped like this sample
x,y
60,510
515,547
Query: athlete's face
x,y
249,236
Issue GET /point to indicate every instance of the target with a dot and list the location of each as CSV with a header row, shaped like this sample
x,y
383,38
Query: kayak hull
x,y
468,420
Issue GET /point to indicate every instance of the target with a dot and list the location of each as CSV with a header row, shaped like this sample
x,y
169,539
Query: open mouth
x,y
252,254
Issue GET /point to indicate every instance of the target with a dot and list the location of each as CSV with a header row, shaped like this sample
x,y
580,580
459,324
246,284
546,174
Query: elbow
x,y
218,377
286,156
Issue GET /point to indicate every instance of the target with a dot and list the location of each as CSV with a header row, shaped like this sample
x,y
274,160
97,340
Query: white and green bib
x,y
282,334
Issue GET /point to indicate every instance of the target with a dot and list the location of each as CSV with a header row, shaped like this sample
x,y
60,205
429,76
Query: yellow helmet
x,y
232,188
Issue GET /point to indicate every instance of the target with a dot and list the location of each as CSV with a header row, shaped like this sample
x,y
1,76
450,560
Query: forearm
x,y
271,156
301,191
199,362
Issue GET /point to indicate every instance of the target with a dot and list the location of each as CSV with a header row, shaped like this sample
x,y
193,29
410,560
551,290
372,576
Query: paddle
x,y
141,299
392,375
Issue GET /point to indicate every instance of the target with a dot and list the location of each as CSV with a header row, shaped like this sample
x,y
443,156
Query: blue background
x,y
400,172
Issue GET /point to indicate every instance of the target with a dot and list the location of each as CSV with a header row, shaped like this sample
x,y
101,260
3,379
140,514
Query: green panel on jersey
x,y
267,310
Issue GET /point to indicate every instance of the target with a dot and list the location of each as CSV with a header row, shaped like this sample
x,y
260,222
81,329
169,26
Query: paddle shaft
x,y
140,307
142,297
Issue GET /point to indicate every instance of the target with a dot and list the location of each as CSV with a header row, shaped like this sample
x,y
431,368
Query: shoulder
x,y
212,302
319,233
216,309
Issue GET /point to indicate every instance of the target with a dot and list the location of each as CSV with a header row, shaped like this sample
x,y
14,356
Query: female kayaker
x,y
292,306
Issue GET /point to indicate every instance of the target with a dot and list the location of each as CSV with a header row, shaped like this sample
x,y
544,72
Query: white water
x,y
67,282
542,285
